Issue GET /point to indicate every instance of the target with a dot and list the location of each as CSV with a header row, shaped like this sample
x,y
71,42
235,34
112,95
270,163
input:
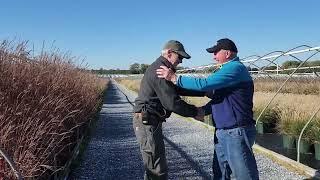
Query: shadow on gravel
x,y
122,112
112,96
195,165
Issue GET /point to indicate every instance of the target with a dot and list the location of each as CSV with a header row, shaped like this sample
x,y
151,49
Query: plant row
x,y
46,102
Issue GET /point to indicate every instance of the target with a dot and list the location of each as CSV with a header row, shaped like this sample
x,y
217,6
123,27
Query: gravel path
x,y
113,152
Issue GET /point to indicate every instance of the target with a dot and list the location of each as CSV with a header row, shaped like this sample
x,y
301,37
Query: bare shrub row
x,y
296,85
46,103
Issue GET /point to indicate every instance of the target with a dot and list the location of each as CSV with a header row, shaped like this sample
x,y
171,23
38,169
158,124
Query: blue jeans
x,y
233,154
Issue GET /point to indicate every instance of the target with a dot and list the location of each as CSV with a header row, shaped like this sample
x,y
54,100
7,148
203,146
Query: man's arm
x,y
187,92
170,99
227,76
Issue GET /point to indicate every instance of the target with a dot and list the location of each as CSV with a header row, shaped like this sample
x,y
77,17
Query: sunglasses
x,y
179,56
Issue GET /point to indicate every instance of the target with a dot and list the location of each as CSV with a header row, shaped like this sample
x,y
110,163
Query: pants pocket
x,y
235,133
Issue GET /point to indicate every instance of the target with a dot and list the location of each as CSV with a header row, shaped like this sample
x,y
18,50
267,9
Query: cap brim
x,y
184,54
213,49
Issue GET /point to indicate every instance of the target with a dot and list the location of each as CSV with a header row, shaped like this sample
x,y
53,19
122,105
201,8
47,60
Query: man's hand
x,y
166,73
210,94
200,115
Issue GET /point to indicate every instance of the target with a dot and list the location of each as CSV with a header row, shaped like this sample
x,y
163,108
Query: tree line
x,y
292,64
134,68
137,68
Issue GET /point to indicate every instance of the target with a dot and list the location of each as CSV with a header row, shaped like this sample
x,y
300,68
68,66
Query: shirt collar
x,y
167,63
234,59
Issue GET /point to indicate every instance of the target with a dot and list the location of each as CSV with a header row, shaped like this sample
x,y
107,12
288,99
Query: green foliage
x,y
284,127
292,123
249,68
315,137
271,68
143,68
294,64
297,127
110,71
290,64
314,63
270,116
180,68
211,69
135,68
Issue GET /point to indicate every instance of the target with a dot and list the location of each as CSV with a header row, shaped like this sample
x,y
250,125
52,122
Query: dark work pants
x,y
152,148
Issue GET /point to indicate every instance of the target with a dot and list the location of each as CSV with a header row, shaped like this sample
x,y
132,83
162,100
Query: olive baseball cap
x,y
225,44
177,47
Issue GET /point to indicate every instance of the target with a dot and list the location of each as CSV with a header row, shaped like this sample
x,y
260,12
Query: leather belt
x,y
236,126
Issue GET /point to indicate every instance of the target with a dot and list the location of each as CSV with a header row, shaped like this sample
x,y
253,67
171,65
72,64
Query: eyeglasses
x,y
179,56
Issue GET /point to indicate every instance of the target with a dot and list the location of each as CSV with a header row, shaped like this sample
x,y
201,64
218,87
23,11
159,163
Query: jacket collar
x,y
231,60
167,63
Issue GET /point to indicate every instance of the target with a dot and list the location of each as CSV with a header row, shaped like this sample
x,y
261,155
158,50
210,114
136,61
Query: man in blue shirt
x,y
231,108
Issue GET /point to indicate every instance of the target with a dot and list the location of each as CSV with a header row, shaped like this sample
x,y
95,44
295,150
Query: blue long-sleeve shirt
x,y
233,93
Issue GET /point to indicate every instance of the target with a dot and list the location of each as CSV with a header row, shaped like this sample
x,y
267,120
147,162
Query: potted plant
x,y
285,128
316,138
268,119
305,142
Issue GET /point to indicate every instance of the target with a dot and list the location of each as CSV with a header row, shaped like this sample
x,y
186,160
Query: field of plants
x,y
46,104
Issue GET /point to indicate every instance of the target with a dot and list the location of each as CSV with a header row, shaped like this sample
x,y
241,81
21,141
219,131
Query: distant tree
x,y
270,68
310,64
254,69
110,71
135,68
314,63
211,69
143,68
180,67
249,68
290,64
100,71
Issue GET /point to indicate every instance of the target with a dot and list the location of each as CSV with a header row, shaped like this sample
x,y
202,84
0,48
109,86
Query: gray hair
x,y
164,52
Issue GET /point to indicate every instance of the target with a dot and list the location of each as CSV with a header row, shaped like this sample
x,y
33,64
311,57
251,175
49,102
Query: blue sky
x,y
115,34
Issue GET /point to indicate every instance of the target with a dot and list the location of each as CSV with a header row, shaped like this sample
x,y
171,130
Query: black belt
x,y
236,126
